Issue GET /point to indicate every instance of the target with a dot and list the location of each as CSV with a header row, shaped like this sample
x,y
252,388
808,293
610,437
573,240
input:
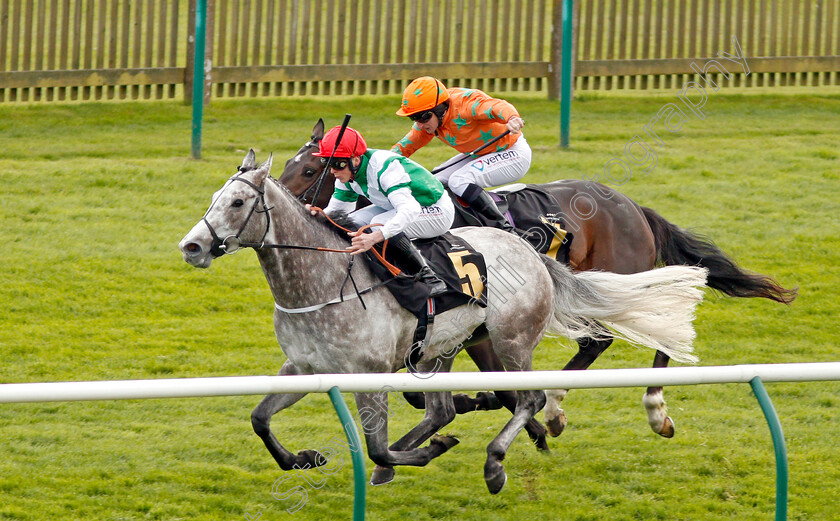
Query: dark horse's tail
x,y
677,246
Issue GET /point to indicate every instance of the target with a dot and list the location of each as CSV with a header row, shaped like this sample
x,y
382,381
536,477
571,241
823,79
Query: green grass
x,y
97,196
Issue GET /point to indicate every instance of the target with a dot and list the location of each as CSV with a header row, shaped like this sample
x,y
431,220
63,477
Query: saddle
x,y
456,263
534,213
453,260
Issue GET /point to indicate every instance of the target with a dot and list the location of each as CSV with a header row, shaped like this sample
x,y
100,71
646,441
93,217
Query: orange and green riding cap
x,y
424,93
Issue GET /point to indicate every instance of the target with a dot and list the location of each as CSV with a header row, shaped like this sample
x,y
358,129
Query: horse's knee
x,y
447,413
440,412
260,423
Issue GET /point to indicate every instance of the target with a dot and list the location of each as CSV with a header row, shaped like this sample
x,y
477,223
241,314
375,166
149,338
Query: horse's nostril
x,y
193,247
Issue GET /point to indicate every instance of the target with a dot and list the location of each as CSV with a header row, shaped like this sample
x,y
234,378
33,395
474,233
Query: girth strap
x,y
422,335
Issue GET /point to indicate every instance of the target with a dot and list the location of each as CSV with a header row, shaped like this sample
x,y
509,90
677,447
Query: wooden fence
x,y
136,49
90,49
643,44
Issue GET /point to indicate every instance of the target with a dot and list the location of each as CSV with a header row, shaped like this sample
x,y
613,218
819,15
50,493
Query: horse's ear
x,y
267,165
262,171
250,160
318,130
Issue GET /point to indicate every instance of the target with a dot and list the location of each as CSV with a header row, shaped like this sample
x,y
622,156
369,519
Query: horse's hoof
x,y
497,481
442,444
542,444
310,458
382,475
556,425
667,428
488,401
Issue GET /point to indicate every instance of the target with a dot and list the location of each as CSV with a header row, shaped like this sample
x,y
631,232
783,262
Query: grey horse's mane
x,y
341,218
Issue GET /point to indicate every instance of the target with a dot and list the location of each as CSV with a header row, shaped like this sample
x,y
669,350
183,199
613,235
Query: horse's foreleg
x,y
588,351
440,411
373,411
261,420
654,402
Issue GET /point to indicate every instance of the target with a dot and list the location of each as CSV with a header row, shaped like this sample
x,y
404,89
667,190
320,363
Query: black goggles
x,y
421,117
336,164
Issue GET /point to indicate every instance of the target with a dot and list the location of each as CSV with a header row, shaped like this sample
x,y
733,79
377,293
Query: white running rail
x,y
376,382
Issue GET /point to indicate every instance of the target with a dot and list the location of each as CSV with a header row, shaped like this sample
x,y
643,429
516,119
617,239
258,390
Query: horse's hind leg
x,y
536,431
373,411
440,411
654,402
588,351
528,403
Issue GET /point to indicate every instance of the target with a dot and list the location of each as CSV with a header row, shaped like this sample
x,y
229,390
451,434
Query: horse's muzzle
x,y
194,253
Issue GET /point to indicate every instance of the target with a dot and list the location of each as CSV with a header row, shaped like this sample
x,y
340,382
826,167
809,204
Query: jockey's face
x,y
344,174
429,126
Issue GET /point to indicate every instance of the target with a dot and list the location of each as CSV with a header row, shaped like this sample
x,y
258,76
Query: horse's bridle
x,y
231,244
302,198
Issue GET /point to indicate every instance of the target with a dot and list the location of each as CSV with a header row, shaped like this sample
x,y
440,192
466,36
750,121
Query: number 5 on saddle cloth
x,y
457,264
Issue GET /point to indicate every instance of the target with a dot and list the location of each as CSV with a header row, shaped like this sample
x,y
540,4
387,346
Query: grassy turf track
x,y
95,198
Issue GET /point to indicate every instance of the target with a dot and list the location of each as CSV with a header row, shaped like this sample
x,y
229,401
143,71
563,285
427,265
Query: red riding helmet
x,y
352,144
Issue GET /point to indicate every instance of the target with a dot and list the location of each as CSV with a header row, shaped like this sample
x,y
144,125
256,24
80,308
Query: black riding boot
x,y
483,203
409,258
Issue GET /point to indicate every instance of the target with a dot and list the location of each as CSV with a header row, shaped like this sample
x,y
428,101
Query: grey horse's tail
x,y
653,308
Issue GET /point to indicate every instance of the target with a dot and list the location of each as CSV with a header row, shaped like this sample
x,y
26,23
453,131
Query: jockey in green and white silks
x,y
405,197
407,201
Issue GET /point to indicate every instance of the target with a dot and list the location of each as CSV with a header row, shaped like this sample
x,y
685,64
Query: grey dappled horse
x,y
653,309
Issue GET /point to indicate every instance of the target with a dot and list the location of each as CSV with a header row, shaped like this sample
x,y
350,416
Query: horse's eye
x,y
309,171
239,202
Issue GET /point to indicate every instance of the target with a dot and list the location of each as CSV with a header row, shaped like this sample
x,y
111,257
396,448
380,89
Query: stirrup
x,y
429,278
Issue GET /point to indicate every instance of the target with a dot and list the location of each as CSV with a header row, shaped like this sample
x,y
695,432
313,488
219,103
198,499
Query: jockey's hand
x,y
515,124
362,242
309,207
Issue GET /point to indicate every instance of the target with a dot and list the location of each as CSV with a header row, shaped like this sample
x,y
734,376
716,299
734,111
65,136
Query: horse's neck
x,y
299,278
326,191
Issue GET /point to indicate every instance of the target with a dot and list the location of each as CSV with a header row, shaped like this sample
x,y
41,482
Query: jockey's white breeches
x,y
432,221
496,168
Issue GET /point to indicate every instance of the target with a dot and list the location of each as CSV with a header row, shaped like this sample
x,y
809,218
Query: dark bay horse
x,y
611,233
322,334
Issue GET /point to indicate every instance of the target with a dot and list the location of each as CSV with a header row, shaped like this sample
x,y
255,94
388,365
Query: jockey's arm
x,y
412,142
338,206
342,200
408,209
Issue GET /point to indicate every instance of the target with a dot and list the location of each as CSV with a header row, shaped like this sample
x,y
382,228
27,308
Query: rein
x,y
302,197
231,244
